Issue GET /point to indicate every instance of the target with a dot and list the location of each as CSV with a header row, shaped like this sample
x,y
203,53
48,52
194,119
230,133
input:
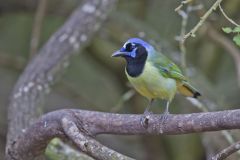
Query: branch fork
x,y
79,126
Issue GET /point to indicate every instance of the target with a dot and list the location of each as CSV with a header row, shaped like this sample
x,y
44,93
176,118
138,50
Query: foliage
x,y
235,31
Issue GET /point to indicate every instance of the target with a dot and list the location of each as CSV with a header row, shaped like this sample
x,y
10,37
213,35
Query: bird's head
x,y
134,49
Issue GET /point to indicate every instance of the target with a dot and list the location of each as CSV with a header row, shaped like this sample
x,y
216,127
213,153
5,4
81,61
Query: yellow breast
x,y
151,84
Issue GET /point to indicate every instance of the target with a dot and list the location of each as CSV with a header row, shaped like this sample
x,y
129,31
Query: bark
x,y
227,151
42,72
81,126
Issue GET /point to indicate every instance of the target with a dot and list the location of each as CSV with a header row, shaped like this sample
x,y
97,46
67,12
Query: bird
x,y
153,74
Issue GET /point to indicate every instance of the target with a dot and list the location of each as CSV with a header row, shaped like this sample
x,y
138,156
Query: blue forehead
x,y
140,41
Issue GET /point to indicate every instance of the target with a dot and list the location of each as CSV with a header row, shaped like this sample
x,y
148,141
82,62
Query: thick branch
x,y
34,140
44,69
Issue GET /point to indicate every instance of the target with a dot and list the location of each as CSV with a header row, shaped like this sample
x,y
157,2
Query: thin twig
x,y
37,26
202,20
182,47
184,16
180,38
225,15
227,151
181,5
60,150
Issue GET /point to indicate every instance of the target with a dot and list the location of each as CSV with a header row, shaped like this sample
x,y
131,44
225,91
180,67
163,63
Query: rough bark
x,y
41,73
86,124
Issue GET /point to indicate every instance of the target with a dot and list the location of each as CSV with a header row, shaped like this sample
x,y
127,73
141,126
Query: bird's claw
x,y
145,119
147,112
164,117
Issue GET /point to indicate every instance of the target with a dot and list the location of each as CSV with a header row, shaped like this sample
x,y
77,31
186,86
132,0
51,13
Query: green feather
x,y
166,67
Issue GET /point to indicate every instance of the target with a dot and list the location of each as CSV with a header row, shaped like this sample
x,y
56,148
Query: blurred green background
x,y
95,81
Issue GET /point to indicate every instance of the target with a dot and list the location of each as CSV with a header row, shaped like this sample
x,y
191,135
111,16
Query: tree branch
x,y
225,15
33,141
227,151
202,20
42,72
87,144
57,149
180,38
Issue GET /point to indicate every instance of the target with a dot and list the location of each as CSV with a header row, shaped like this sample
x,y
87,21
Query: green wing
x,y
170,70
166,67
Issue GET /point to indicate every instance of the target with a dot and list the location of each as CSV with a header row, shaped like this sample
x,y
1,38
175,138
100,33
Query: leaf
x,y
236,30
236,39
227,29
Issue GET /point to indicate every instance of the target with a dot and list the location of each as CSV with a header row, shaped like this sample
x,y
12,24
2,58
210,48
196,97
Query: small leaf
x,y
236,39
236,30
227,29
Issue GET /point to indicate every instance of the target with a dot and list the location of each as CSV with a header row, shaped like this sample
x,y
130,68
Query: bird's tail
x,y
188,90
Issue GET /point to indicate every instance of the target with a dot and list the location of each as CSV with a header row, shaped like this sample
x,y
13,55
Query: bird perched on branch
x,y
152,74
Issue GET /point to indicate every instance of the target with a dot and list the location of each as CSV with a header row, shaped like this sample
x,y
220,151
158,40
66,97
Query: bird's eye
x,y
129,47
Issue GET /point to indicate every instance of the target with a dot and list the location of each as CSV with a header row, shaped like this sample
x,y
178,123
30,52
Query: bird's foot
x,y
164,117
145,118
147,112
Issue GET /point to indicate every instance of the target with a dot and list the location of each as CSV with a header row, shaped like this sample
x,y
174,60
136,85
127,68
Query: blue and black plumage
x,y
152,74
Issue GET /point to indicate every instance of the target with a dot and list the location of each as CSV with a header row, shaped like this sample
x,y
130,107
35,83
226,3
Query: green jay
x,y
152,74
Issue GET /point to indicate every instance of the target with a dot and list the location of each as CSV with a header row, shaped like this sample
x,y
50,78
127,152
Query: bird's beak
x,y
119,54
